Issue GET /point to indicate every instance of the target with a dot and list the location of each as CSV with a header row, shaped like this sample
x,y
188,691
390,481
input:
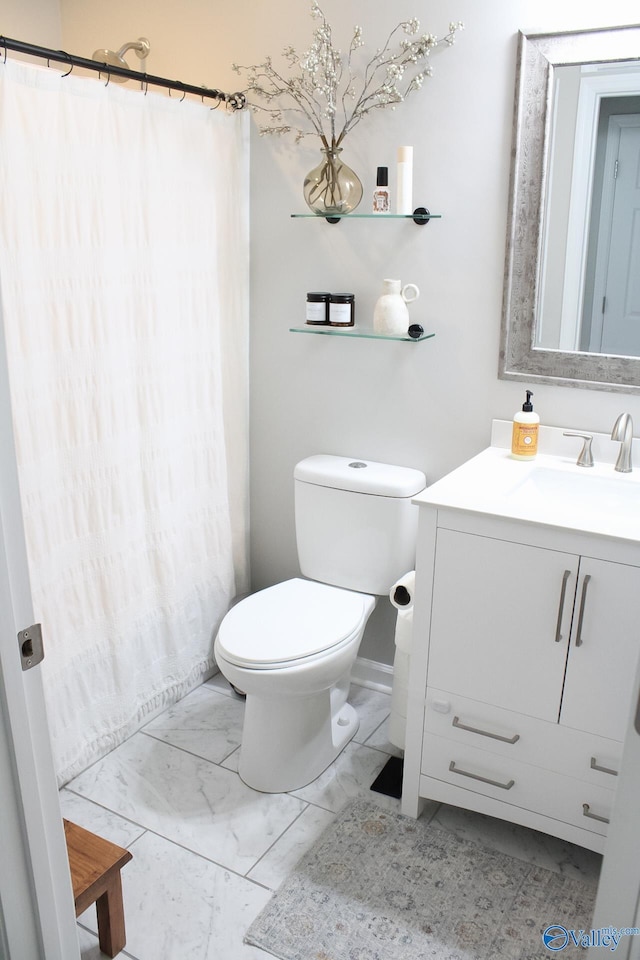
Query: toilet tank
x,y
355,524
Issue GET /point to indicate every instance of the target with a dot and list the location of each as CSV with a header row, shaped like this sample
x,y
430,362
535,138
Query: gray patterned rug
x,y
379,886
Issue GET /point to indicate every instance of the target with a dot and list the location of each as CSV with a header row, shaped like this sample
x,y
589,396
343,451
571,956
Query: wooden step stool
x,y
95,875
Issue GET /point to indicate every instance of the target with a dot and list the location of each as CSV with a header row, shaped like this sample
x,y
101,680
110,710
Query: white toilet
x,y
291,647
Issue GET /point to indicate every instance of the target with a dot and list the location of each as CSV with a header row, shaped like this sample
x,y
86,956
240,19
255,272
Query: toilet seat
x,y
291,621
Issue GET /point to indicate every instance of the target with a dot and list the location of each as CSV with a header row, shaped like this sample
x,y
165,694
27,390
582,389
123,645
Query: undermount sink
x,y
577,490
551,490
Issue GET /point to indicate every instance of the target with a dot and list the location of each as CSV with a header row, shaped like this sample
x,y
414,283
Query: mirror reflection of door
x,y
611,319
591,203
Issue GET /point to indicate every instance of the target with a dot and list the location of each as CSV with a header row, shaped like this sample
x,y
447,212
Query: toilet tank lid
x,y
360,476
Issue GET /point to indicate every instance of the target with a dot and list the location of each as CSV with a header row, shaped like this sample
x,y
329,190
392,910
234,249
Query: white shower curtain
x,y
123,285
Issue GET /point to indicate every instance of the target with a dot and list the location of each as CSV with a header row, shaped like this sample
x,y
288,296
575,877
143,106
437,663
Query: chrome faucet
x,y
623,432
585,458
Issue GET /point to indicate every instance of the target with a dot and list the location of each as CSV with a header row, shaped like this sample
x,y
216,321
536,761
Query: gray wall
x,y
426,405
34,21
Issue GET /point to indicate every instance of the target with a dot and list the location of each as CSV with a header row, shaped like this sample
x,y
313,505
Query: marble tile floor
x,y
208,851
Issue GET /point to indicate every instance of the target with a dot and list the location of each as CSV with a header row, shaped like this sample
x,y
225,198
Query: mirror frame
x,y
520,358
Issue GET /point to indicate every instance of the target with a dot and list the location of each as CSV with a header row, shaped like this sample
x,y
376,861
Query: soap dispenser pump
x,y
524,438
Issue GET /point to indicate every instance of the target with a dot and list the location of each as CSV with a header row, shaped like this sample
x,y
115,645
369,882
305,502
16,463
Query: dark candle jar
x,y
318,308
342,309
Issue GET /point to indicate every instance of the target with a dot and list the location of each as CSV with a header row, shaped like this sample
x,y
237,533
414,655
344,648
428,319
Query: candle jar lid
x,y
318,297
342,297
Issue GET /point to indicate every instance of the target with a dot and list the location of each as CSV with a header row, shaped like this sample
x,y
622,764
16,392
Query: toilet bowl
x,y
291,648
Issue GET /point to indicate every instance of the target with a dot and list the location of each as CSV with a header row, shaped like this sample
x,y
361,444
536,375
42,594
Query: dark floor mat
x,y
389,780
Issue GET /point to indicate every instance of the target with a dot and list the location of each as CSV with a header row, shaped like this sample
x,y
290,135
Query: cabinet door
x,y
605,642
501,617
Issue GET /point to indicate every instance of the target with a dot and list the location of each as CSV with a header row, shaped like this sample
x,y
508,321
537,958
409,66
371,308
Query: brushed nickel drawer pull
x,y
586,812
563,594
476,776
583,598
596,766
484,733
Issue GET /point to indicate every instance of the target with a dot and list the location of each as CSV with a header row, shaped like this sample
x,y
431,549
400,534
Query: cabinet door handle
x,y
596,766
485,733
585,584
563,594
586,812
476,776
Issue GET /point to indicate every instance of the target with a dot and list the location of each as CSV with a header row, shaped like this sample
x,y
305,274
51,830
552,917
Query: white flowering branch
x,y
324,96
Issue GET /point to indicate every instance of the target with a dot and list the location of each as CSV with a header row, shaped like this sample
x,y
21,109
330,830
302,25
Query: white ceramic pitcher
x,y
390,313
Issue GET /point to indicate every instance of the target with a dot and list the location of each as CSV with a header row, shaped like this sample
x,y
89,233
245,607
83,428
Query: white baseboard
x,y
372,674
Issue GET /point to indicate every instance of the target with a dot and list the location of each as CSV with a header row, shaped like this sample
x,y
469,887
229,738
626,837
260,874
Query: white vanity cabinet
x,y
529,629
526,639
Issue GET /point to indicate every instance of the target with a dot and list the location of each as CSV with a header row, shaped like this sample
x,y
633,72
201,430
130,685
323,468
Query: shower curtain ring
x,y
183,96
70,61
108,78
5,52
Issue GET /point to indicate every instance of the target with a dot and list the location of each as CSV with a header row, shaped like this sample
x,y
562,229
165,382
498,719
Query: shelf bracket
x,y
421,216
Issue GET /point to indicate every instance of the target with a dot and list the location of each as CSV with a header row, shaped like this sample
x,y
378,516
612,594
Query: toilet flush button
x,y
342,721
357,464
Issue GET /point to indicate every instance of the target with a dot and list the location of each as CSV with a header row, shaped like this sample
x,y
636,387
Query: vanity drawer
x,y
586,805
513,735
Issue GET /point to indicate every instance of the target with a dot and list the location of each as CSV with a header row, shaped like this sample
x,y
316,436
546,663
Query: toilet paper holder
x,y
401,596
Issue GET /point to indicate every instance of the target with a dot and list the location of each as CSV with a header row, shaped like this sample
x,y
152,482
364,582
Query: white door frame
x,y
618,900
37,915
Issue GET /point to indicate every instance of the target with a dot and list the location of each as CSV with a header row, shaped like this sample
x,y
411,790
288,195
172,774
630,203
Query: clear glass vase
x,y
332,187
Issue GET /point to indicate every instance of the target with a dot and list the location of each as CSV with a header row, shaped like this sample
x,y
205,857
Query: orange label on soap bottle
x,y
524,439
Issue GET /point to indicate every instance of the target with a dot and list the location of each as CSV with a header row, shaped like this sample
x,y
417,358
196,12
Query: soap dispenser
x,y
524,438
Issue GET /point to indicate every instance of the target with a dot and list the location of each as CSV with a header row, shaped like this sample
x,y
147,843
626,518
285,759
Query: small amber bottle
x,y
381,202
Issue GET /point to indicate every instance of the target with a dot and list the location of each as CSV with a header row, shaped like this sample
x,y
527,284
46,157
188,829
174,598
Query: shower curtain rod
x,y
234,100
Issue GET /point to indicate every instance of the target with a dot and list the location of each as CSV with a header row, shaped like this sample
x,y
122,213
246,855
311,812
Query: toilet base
x,y
305,735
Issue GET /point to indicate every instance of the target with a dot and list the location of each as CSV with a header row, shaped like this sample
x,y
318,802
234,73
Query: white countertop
x,y
550,490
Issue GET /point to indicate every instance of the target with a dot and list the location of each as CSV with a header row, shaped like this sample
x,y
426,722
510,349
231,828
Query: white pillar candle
x,y
404,187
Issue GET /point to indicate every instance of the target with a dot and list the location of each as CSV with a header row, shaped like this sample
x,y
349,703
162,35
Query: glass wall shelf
x,y
357,333
421,216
